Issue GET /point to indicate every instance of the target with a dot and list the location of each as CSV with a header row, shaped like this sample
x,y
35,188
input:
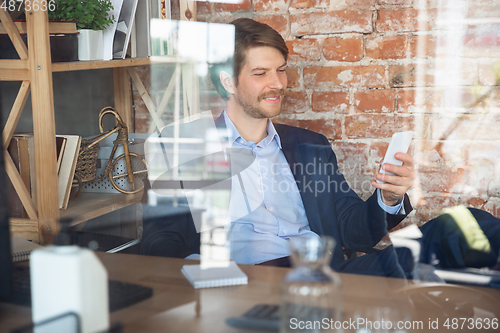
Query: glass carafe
x,y
311,299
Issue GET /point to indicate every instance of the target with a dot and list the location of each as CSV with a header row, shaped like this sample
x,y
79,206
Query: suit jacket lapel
x,y
219,122
294,154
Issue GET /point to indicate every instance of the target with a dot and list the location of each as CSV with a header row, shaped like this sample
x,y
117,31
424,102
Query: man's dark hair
x,y
248,34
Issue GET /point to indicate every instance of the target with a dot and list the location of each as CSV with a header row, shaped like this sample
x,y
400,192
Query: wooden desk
x,y
177,307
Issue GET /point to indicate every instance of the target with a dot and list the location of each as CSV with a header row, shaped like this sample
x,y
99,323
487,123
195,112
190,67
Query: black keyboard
x,y
121,294
260,317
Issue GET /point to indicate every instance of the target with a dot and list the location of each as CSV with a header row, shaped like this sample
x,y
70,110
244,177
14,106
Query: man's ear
x,y
227,81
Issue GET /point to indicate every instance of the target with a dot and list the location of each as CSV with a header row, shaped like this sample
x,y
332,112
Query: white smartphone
x,y
400,143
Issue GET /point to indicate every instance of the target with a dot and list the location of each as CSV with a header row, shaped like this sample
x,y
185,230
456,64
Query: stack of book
x,y
217,276
21,249
22,151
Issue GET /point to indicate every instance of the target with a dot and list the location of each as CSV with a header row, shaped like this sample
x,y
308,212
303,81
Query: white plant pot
x,y
90,44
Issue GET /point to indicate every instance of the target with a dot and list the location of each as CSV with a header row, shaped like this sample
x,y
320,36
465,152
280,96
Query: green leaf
x,y
89,14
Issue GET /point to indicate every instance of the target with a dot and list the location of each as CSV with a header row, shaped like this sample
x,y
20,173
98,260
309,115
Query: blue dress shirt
x,y
266,208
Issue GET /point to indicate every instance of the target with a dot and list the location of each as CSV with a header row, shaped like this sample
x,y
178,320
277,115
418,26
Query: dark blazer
x,y
338,211
332,208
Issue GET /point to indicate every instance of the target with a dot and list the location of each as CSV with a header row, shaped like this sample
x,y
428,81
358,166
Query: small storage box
x,y
63,47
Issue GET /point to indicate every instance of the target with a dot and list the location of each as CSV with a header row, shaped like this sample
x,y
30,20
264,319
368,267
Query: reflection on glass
x,y
188,159
444,87
311,299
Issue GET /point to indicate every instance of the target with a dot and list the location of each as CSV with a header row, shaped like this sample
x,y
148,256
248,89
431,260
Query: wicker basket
x,y
86,165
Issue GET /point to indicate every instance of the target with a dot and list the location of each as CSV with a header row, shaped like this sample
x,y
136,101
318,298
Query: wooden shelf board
x,y
24,228
129,62
91,205
15,74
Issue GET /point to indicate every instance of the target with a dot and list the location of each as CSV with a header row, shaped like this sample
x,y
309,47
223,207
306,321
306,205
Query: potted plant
x,y
92,17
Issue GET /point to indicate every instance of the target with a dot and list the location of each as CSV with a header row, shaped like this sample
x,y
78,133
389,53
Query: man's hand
x,y
394,187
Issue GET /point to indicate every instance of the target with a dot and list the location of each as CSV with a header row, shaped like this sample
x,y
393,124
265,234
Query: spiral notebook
x,y
230,275
22,248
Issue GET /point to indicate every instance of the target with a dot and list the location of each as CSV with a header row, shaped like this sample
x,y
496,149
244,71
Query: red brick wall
x,y
360,70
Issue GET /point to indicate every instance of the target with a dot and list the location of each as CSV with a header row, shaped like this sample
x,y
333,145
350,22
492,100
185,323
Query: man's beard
x,y
258,112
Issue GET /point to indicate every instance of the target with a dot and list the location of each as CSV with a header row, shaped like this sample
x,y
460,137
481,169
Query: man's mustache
x,y
272,93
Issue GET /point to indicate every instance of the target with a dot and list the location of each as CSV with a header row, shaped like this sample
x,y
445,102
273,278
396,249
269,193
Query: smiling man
x,y
280,196
257,92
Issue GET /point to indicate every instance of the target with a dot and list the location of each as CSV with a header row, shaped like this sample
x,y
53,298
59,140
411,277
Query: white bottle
x,y
69,279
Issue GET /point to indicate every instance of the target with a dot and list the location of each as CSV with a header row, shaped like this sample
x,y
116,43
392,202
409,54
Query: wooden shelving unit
x,y
87,65
86,207
35,70
92,205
